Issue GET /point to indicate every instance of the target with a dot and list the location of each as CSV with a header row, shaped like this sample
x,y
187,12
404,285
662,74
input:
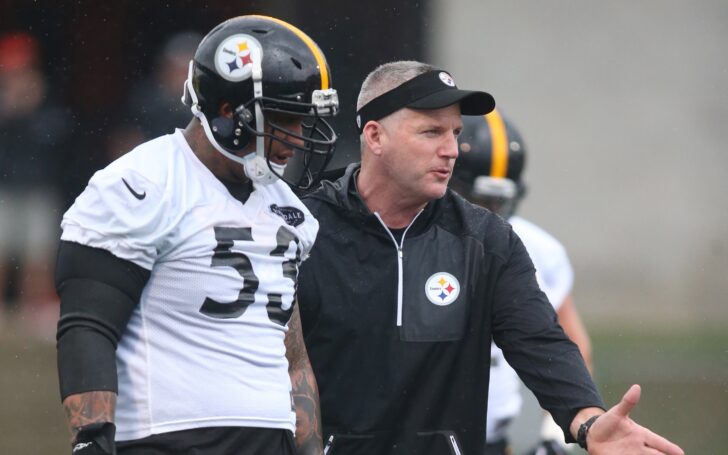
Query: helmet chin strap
x,y
256,167
255,164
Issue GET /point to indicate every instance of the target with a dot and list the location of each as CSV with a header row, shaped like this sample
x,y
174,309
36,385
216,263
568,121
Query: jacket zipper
x,y
454,444
328,445
400,255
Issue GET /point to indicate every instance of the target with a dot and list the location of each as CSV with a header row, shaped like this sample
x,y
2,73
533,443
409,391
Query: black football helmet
x,y
263,67
491,159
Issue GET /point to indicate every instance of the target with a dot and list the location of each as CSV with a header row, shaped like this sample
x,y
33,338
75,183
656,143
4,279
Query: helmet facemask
x,y
313,147
499,195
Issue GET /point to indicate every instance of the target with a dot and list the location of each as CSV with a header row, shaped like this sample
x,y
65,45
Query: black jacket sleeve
x,y
99,292
526,328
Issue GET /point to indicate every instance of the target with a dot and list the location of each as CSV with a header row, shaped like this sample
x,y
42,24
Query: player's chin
x,y
279,161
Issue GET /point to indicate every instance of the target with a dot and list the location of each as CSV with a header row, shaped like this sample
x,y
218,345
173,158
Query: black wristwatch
x,y
584,431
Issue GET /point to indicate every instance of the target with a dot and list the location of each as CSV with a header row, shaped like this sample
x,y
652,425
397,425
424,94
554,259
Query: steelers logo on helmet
x,y
234,57
442,288
447,79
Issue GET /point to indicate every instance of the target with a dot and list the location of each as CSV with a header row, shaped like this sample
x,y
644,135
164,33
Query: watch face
x,y
584,431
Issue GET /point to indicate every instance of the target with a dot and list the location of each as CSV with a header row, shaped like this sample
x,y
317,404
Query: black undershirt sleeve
x,y
99,292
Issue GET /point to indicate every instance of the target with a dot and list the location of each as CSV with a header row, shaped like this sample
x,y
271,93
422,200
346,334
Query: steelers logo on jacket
x,y
442,288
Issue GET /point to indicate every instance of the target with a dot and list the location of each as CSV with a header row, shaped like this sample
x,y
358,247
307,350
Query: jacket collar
x,y
343,194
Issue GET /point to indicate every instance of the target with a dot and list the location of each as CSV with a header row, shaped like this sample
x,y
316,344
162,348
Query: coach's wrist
x,y
581,417
583,433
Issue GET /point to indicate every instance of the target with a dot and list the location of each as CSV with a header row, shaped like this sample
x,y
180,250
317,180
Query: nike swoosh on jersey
x,y
139,196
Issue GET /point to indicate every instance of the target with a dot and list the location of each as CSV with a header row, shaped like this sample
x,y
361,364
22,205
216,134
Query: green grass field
x,y
684,375
684,379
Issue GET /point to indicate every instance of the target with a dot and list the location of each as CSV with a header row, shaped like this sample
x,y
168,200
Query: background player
x,y
488,172
178,263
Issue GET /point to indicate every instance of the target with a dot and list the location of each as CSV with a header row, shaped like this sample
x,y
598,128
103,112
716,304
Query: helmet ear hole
x,y
226,109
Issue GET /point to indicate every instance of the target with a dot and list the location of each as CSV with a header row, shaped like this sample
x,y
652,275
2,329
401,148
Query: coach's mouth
x,y
442,172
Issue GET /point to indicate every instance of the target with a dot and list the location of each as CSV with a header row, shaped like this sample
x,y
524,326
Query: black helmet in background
x,y
490,163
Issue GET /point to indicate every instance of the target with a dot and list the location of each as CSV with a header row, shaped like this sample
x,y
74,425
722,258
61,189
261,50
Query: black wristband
x,y
584,431
95,439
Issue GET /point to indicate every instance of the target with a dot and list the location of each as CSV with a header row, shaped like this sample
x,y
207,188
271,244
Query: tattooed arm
x,y
99,293
305,390
87,408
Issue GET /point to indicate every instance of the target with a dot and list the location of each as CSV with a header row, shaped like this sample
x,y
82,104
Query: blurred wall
x,y
624,109
97,52
623,105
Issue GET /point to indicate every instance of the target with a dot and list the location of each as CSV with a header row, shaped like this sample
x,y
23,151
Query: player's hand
x,y
95,439
615,432
548,447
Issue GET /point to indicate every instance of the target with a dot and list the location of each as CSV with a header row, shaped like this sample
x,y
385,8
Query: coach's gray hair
x,y
388,76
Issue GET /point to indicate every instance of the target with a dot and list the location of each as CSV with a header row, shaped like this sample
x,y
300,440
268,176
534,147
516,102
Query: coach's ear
x,y
374,136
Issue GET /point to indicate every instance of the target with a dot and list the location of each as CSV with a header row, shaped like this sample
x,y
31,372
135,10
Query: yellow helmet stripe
x,y
499,144
317,54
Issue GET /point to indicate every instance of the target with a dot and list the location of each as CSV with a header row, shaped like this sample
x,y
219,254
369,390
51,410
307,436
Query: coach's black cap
x,y
431,90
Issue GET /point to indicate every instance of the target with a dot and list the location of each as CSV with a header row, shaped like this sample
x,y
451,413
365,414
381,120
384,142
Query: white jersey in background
x,y
555,277
205,345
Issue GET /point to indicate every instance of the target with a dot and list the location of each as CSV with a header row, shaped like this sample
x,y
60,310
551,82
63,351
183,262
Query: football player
x,y
488,172
178,263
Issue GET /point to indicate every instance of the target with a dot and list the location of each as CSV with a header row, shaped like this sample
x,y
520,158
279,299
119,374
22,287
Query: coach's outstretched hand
x,y
615,432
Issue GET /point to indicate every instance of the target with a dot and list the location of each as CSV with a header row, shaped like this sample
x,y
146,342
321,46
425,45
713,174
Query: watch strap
x,y
584,431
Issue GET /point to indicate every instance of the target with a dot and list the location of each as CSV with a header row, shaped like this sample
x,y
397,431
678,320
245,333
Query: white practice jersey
x,y
205,345
555,277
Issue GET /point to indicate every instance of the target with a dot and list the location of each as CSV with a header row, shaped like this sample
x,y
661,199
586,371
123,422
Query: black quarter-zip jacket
x,y
398,330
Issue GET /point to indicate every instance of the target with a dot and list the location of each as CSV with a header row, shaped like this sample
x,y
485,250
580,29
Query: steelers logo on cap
x,y
442,289
234,57
447,79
